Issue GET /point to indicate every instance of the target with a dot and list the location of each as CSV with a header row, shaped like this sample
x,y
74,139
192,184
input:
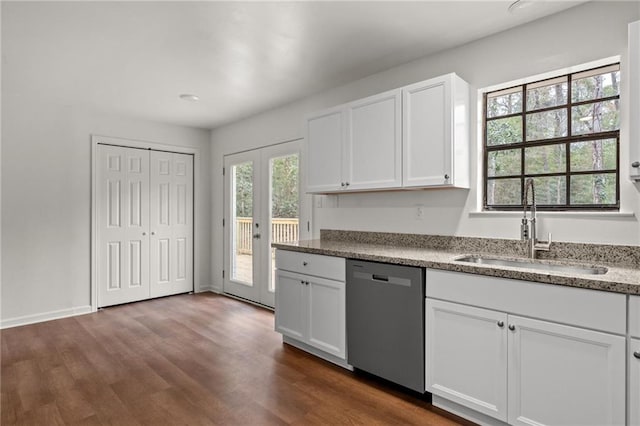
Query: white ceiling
x,y
135,58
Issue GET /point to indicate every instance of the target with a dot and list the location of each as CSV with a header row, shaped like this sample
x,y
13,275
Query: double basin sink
x,y
536,265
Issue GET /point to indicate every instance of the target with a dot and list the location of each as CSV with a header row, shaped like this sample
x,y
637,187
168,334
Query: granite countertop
x,y
437,252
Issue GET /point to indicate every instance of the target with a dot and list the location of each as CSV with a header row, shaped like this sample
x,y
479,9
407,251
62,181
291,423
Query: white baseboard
x,y
211,287
45,316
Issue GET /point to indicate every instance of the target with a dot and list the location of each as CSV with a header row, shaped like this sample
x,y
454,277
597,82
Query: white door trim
x,y
130,143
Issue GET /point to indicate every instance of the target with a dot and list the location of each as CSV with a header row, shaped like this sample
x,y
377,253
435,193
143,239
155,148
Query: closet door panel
x,y
123,225
171,199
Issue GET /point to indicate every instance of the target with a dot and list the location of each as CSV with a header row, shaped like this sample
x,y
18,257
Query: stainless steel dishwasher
x,y
385,321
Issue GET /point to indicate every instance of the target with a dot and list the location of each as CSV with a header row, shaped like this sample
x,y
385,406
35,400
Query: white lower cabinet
x,y
564,375
291,305
466,352
310,308
524,371
634,382
634,358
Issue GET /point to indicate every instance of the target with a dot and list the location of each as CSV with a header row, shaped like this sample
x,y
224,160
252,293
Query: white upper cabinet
x,y
411,137
436,135
357,146
374,142
634,99
325,134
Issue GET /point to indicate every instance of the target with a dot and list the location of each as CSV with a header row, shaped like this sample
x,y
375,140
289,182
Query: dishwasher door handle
x,y
377,277
380,278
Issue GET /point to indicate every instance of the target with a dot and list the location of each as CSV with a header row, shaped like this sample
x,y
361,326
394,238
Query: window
x,y
564,132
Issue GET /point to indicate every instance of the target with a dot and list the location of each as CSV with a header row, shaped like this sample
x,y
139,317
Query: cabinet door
x,y
466,350
634,99
427,133
634,383
326,315
290,316
564,375
373,154
324,146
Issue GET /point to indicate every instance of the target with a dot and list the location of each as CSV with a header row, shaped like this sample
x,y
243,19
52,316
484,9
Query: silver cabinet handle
x,y
153,233
256,236
635,164
144,233
512,327
637,354
306,282
304,263
446,177
347,183
500,324
342,184
302,282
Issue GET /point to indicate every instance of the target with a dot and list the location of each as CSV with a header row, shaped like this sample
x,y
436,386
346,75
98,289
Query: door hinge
x,y
308,226
223,273
222,222
223,171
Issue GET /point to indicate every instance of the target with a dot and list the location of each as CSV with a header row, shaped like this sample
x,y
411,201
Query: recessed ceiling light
x,y
189,97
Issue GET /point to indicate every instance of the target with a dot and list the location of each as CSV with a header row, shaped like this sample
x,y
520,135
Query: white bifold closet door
x,y
145,230
171,212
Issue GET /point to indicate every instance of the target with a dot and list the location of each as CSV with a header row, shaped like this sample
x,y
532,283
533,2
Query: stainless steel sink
x,y
537,265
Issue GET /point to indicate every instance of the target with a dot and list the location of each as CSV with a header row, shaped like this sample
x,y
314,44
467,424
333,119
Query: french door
x,y
145,224
262,205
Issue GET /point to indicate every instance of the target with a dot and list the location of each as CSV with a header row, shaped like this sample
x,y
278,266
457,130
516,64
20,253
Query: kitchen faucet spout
x,y
528,225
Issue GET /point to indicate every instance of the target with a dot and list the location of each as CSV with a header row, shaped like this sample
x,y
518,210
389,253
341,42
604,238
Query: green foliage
x,y
284,187
504,130
243,178
284,195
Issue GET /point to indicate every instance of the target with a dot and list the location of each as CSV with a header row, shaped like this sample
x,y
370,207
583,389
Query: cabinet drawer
x,y
311,264
634,316
598,310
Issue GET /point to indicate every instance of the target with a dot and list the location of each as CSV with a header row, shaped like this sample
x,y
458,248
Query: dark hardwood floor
x,y
198,359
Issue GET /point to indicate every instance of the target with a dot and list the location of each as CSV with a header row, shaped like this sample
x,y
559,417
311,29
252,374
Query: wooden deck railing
x,y
281,230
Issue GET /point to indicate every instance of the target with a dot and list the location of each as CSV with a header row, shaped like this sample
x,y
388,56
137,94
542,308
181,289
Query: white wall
x,y
46,200
586,33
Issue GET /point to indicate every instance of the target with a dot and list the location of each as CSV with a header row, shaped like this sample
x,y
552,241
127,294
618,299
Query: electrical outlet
x,y
419,213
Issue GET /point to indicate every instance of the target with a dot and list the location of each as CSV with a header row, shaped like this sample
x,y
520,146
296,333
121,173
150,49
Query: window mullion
x,y
524,141
570,135
503,140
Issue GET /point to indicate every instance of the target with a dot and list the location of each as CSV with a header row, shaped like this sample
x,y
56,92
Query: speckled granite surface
x,y
442,252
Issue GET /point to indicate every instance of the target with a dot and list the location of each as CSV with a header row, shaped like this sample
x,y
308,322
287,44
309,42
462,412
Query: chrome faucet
x,y
528,226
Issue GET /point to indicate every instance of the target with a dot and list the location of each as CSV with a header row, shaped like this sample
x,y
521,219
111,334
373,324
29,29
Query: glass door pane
x,y
242,223
284,205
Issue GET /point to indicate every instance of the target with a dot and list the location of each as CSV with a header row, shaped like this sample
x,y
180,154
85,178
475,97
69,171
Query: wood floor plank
x,y
200,359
